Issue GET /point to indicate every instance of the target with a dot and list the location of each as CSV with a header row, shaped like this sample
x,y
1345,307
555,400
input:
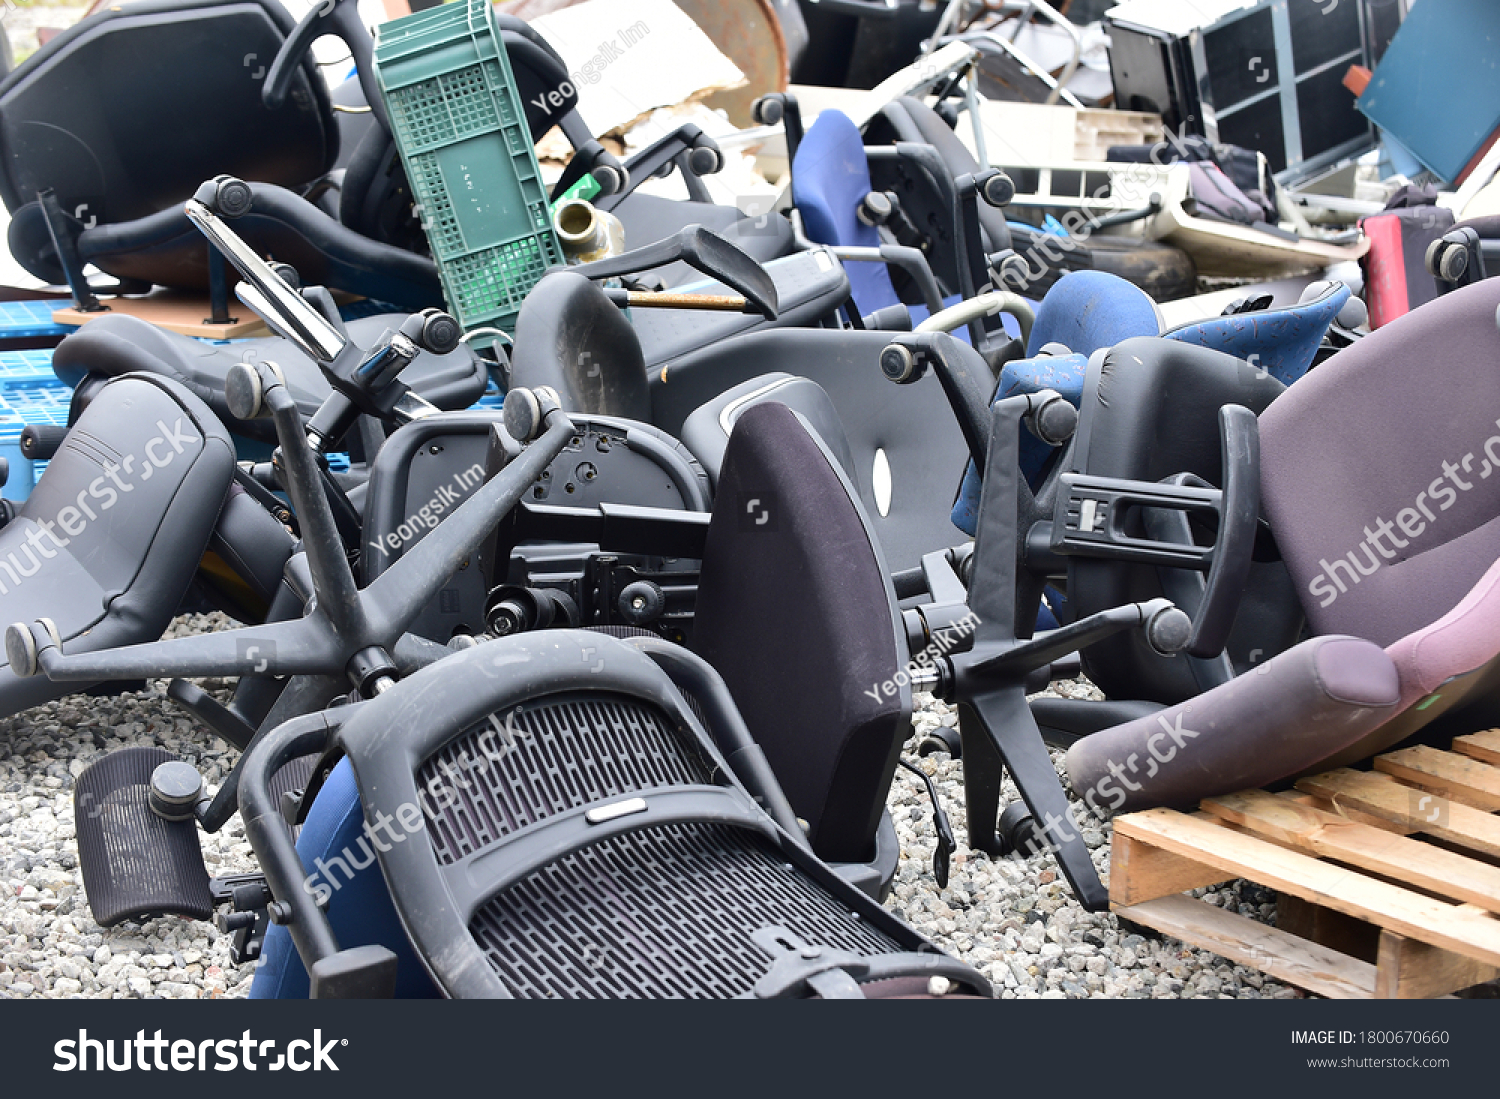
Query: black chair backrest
x,y
906,438
1150,410
909,119
796,611
571,337
129,111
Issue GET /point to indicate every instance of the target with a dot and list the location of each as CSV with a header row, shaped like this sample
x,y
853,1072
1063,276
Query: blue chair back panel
x,y
1282,342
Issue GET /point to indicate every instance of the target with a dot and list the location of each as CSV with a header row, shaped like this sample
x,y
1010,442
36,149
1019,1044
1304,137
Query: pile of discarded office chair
x,y
572,696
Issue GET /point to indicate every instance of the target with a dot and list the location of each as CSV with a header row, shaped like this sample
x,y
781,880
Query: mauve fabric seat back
x,y
796,611
1465,638
1284,718
1380,470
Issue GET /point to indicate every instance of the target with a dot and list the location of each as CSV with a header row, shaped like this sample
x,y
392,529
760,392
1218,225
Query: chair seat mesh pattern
x,y
661,913
544,758
667,911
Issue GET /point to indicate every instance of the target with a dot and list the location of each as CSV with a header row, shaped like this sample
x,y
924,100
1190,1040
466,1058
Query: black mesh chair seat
x,y
580,835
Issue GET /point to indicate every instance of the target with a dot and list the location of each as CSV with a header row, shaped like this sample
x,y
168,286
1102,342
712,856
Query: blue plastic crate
x,y
26,320
26,364
35,400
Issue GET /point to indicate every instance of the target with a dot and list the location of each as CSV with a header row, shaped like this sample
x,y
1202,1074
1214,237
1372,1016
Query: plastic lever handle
x,y
1239,518
704,251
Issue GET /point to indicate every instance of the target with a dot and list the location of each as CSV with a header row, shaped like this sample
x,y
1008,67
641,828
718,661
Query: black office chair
x,y
96,177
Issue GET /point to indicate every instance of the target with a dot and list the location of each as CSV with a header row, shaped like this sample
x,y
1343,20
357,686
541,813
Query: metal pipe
x,y
309,328
983,305
271,839
332,579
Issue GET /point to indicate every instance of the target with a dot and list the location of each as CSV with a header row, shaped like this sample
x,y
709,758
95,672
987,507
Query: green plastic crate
x,y
460,127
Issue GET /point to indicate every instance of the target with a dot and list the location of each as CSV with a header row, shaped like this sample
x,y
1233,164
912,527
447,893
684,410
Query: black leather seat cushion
x,y
108,541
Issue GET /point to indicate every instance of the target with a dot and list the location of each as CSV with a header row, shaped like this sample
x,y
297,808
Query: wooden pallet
x,y
1388,880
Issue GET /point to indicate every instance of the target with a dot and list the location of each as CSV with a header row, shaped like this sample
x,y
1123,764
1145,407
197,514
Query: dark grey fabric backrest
x,y
571,337
796,611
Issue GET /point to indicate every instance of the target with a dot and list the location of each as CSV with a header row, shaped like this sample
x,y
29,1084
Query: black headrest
x,y
569,335
706,432
1150,408
135,106
796,611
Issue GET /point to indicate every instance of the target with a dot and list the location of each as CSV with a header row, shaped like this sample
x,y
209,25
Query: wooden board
x,y
1390,855
1348,851
1484,746
181,313
1453,927
1458,777
1248,942
1382,796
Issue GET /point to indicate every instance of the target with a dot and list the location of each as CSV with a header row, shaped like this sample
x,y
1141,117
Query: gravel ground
x,y
1016,921
49,944
1013,919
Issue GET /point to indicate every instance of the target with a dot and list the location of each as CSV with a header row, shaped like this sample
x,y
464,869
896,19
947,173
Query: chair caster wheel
x,y
944,738
1019,832
612,179
244,392
705,160
232,197
767,110
20,650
